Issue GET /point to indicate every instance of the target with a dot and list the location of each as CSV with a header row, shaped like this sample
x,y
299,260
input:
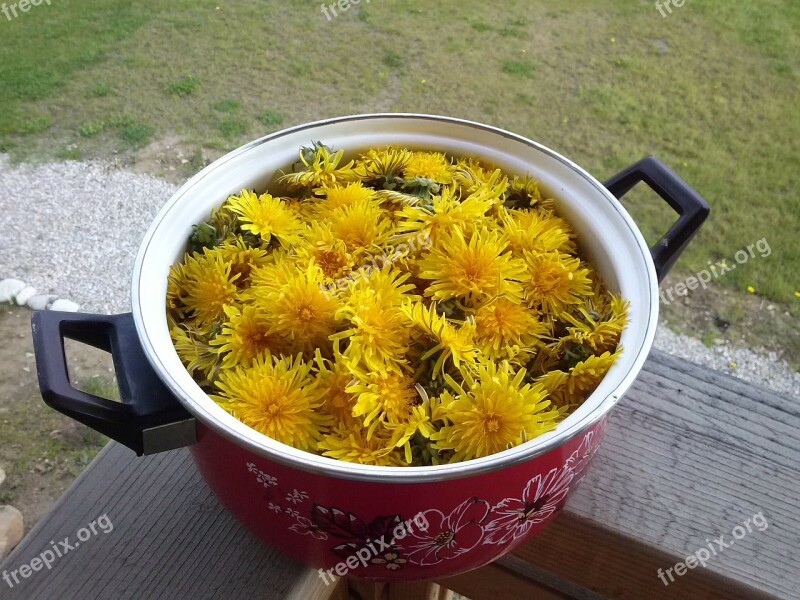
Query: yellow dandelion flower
x,y
328,252
456,343
388,285
277,397
333,378
195,352
492,411
601,333
224,221
391,402
266,216
536,232
352,444
429,165
342,196
524,193
360,226
477,269
209,286
555,383
176,291
419,421
319,166
555,281
244,336
383,397
504,329
472,175
383,166
243,259
273,274
377,335
446,212
586,375
751,289
299,309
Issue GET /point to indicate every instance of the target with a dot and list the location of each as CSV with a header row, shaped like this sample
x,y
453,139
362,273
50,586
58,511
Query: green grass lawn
x,y
712,89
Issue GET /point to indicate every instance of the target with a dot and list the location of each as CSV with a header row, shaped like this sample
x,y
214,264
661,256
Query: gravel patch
x,y
762,368
73,229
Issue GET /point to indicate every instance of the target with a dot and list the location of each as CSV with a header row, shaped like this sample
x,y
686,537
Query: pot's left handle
x,y
148,419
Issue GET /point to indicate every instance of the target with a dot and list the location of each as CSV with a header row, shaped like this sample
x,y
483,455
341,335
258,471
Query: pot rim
x,y
271,449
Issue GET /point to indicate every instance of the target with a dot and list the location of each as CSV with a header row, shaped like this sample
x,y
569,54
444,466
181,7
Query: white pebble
x,y
10,288
65,305
12,527
40,302
24,295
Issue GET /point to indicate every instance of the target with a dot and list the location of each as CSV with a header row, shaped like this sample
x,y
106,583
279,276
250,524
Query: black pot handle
x,y
149,418
691,206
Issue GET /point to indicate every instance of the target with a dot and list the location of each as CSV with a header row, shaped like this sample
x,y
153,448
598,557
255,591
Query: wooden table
x,y
689,454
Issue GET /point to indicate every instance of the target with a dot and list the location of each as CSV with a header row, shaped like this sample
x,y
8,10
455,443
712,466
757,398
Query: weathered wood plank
x,y
689,454
583,560
171,540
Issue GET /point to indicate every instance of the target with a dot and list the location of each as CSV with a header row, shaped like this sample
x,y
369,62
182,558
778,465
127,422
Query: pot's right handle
x,y
691,206
149,418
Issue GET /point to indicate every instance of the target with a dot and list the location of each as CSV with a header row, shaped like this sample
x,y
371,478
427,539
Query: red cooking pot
x,y
377,523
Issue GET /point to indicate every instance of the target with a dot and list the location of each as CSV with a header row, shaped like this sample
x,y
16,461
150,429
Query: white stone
x,y
40,302
10,288
12,527
65,305
24,295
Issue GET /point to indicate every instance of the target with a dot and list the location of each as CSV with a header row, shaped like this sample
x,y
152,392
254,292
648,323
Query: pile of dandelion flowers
x,y
401,308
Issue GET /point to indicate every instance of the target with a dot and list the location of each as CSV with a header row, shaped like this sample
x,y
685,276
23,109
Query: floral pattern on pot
x,y
431,536
514,517
448,536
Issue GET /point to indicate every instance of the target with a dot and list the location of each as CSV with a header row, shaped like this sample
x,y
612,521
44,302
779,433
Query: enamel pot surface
x,y
378,523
